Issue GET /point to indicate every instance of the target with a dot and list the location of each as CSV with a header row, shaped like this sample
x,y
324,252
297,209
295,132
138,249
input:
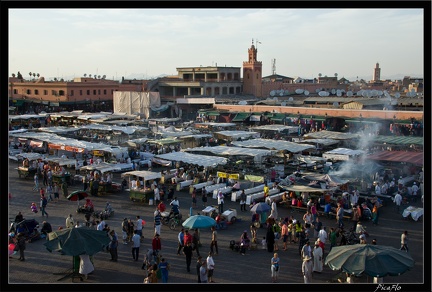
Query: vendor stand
x,y
144,193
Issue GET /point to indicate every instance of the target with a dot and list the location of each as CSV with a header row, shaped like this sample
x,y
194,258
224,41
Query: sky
x,y
147,43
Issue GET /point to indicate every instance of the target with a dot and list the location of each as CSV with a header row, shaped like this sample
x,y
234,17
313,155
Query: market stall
x,y
145,192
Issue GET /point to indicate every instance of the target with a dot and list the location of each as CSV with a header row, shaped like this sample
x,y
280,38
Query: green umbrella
x,y
77,241
373,260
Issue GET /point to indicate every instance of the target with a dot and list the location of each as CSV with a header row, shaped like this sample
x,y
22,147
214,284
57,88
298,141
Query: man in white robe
x,y
317,258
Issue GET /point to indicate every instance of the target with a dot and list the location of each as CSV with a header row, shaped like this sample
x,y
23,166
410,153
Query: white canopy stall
x,y
274,144
202,160
342,154
257,154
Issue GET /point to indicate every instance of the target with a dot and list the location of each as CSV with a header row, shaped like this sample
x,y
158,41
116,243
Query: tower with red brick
x,y
252,73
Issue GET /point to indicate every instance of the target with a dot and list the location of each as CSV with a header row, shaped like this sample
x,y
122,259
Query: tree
x,y
13,75
38,75
85,74
30,73
19,75
34,75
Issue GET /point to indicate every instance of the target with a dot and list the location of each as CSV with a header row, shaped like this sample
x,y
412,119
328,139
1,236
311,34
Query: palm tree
x,y
90,75
38,75
30,73
85,74
34,75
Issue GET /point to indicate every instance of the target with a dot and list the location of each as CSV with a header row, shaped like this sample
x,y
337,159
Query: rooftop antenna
x,y
273,66
257,42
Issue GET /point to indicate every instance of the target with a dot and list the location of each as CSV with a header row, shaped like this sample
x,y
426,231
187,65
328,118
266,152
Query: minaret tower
x,y
377,73
252,73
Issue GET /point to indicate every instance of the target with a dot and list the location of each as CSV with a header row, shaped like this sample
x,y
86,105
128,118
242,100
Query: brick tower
x,y
252,73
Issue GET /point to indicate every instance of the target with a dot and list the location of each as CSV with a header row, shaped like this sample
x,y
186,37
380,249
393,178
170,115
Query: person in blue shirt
x,y
164,268
327,209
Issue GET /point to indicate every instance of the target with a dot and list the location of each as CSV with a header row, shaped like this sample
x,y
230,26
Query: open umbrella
x,y
260,208
77,196
199,221
373,260
77,241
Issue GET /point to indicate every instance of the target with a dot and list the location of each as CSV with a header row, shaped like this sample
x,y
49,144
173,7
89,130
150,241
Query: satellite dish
x,y
397,95
335,104
299,91
281,93
275,98
349,93
333,91
339,93
243,102
322,93
364,93
283,103
286,92
290,99
272,93
374,92
317,90
306,92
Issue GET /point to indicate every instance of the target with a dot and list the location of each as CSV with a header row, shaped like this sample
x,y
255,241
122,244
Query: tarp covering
x,y
332,135
416,158
342,154
234,135
276,128
399,140
324,142
131,102
240,117
146,175
273,144
258,154
202,160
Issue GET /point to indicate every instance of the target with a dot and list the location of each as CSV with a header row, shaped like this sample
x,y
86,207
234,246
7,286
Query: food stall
x,y
29,164
145,192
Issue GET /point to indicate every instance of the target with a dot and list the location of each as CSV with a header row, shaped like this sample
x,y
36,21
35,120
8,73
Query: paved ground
x,y
231,267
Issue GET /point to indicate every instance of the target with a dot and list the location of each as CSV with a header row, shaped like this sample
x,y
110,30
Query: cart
x,y
26,172
59,179
231,215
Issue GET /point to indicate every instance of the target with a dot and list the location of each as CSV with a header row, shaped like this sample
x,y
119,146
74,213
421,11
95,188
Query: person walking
x,y
210,267
204,196
307,268
194,199
157,220
270,238
164,270
36,182
136,243
113,246
196,241
203,272
156,244
85,182
124,226
275,260
404,241
339,215
180,241
243,201
21,242
213,243
199,263
139,226
187,251
398,201
317,258
56,192
220,200
284,234
375,215
70,221
43,204
85,266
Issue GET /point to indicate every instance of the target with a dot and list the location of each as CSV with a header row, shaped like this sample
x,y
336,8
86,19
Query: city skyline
x,y
147,43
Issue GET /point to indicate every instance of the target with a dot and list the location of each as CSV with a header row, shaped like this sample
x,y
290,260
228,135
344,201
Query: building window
x,y
80,91
15,91
94,91
28,91
36,92
88,91
54,92
105,91
45,92
72,93
99,91
61,92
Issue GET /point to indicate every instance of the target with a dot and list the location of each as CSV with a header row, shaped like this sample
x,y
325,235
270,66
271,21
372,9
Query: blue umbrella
x,y
260,208
199,221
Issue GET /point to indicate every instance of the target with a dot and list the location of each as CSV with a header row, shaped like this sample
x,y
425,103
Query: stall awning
x,y
18,102
240,117
212,113
278,117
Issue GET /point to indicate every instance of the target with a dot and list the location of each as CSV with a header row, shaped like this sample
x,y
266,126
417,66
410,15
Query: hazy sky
x,y
146,43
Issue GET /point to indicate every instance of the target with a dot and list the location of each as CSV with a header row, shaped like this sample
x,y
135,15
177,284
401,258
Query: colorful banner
x,y
228,175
